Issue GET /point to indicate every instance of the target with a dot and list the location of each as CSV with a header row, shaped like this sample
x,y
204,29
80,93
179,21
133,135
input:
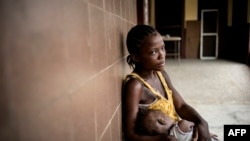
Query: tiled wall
x,y
61,68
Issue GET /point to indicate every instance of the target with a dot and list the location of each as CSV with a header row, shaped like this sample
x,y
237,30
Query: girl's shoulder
x,y
133,78
132,90
132,82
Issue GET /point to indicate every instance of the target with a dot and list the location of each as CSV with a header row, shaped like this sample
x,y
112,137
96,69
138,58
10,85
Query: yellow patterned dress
x,y
161,103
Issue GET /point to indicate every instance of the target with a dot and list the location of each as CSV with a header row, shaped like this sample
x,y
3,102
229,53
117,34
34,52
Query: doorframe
x,y
204,34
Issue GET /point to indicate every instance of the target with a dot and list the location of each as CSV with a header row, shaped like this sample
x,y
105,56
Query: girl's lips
x,y
162,64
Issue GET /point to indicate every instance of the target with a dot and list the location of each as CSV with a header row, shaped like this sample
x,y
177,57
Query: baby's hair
x,y
135,39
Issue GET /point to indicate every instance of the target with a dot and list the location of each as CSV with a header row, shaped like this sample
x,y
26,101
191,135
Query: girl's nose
x,y
162,53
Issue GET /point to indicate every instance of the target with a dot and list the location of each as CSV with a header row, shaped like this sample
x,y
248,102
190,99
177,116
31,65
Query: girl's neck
x,y
145,74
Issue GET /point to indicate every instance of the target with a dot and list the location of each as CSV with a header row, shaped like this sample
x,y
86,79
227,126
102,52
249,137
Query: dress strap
x,y
135,75
163,82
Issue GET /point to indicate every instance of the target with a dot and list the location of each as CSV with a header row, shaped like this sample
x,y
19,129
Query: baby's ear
x,y
161,121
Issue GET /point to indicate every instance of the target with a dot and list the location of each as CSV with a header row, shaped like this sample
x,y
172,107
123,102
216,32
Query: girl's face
x,y
152,53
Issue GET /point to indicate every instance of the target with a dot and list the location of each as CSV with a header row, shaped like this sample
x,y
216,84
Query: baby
x,y
153,122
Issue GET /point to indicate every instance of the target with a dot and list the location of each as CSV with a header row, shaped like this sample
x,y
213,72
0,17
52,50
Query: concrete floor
x,y
219,90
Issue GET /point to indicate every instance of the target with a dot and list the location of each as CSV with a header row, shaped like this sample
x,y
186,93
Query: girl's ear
x,y
135,58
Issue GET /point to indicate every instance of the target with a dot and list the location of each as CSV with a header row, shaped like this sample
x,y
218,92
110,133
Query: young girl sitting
x,y
149,86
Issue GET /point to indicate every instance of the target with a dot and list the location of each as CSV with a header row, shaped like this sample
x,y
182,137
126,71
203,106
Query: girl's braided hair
x,y
135,39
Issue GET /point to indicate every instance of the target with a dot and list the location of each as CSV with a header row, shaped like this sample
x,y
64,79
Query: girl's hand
x,y
195,134
171,138
215,137
203,132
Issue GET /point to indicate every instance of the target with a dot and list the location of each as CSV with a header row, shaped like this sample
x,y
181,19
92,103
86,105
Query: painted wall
x,y
61,68
229,12
248,11
191,10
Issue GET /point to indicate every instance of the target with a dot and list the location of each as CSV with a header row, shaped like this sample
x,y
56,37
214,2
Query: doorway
x,y
209,34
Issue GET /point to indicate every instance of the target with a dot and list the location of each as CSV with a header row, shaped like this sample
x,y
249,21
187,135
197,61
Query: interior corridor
x,y
218,89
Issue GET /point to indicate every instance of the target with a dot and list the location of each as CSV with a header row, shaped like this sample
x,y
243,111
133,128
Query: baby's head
x,y
154,122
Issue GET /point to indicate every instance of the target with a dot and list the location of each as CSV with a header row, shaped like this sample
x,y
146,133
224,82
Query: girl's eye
x,y
154,52
163,48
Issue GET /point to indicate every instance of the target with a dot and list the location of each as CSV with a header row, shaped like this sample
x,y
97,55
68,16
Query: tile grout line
x,y
109,122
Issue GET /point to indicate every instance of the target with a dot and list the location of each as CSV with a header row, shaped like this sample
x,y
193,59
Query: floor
x,y
218,89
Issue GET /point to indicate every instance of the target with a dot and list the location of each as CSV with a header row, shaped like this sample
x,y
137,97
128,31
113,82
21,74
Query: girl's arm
x,y
187,112
131,96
